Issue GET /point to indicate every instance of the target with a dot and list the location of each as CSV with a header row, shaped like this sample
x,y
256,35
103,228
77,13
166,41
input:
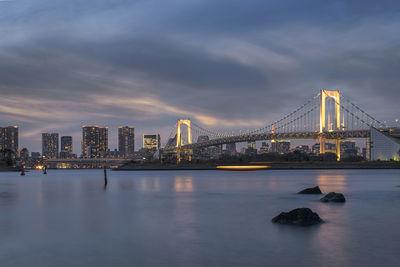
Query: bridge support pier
x,y
323,150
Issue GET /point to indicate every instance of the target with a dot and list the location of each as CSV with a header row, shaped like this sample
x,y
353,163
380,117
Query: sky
x,y
226,64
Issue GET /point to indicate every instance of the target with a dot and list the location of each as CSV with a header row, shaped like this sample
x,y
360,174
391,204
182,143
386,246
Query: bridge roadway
x,y
281,136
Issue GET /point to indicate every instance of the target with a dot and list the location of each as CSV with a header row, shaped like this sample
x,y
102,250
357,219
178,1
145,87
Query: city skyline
x,y
224,65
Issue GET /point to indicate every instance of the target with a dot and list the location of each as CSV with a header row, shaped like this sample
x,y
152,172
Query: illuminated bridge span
x,y
327,116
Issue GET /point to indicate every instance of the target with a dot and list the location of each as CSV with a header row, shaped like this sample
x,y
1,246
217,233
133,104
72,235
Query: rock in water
x,y
312,190
333,197
300,216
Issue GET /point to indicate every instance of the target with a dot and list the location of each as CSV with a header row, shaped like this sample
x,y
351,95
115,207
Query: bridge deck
x,y
281,136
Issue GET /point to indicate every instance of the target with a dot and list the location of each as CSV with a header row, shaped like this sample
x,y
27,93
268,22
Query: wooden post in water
x,y
105,177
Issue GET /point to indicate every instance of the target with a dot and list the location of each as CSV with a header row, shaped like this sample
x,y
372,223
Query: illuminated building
x,y
66,147
126,141
251,144
24,155
151,141
383,146
281,147
50,145
94,141
9,138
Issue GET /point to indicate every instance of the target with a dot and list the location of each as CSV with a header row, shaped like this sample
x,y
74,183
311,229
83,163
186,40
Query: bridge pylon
x,y
330,126
180,151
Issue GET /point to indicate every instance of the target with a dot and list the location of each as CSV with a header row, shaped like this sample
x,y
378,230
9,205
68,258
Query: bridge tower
x,y
188,123
326,127
181,152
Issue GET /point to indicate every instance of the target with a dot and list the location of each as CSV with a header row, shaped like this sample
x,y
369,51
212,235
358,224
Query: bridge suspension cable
x,y
338,114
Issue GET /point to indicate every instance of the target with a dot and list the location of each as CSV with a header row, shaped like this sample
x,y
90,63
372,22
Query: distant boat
x,y
243,167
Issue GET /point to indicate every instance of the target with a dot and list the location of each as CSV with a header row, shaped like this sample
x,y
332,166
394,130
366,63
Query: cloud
x,y
226,64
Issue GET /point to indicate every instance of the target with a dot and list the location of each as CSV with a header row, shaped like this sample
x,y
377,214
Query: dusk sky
x,y
226,64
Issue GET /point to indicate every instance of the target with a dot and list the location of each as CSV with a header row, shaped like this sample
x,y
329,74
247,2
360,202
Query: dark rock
x,y
312,190
333,197
300,216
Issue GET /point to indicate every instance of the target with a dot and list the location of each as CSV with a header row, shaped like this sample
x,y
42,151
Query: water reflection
x,y
183,184
184,217
152,184
332,182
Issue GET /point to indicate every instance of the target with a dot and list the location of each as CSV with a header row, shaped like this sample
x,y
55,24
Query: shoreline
x,y
271,166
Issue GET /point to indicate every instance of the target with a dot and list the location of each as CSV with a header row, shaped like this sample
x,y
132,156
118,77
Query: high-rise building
x,y
151,141
126,141
50,146
94,141
24,155
66,147
9,138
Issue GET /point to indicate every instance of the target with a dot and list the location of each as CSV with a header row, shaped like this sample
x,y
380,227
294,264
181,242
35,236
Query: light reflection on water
x,y
335,182
199,218
183,184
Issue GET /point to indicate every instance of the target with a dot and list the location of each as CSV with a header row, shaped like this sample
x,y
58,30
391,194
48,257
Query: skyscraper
x,y
126,141
66,147
94,141
9,138
151,141
50,146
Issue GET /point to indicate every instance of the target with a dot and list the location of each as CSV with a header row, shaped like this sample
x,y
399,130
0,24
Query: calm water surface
x,y
197,218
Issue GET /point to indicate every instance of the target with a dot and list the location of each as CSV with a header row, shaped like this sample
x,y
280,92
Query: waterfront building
x,y
35,155
383,146
329,147
50,146
113,153
251,149
348,149
151,141
126,141
202,153
94,141
303,149
9,138
24,155
264,148
231,149
251,144
66,147
213,152
281,147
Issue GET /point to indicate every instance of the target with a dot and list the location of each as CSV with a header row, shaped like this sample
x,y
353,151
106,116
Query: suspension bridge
x,y
328,116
